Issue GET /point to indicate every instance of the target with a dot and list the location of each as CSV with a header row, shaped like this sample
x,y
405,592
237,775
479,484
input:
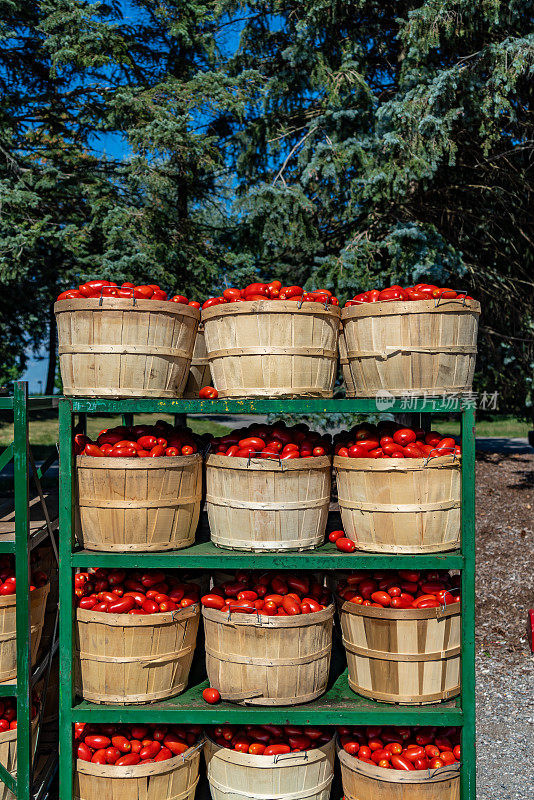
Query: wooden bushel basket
x,y
114,347
344,364
174,779
8,629
295,776
272,348
362,781
406,656
127,658
8,756
138,504
268,661
400,505
199,371
263,505
416,347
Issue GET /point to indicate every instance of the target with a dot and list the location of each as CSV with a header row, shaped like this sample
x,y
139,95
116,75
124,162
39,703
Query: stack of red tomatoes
x,y
272,441
8,581
127,745
402,748
391,440
272,291
271,593
269,740
138,441
421,291
120,591
401,589
126,291
8,712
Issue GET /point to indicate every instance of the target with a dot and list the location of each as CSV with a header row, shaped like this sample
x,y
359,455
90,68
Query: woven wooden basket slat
x,y
297,776
117,349
8,629
413,347
122,658
402,656
261,504
350,390
400,505
8,757
272,348
362,781
262,660
131,504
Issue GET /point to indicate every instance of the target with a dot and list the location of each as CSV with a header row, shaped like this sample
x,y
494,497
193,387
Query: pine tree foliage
x,y
393,142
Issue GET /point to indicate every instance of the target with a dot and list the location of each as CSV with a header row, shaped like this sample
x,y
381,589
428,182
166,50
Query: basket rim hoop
x,y
393,307
265,621
270,762
135,770
269,464
96,462
397,776
396,464
406,614
137,620
269,307
125,304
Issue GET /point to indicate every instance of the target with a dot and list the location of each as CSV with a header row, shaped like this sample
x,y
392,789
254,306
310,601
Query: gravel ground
x,y
505,665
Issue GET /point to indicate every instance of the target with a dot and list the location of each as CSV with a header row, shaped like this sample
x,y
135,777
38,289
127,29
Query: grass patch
x,y
499,426
44,433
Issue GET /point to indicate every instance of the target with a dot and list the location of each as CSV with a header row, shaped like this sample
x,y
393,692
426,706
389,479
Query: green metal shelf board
x,y
206,556
340,705
263,405
7,547
8,689
36,403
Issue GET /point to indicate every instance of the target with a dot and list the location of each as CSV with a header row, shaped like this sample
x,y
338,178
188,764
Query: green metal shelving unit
x,y
26,786
339,705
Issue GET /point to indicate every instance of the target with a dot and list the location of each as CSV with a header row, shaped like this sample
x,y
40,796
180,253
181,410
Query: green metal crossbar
x,y
339,705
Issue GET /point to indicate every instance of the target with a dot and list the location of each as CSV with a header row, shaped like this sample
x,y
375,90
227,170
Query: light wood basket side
x,y
122,658
264,505
362,781
295,776
405,656
272,348
400,505
138,505
115,348
8,756
418,347
270,661
175,779
350,390
8,629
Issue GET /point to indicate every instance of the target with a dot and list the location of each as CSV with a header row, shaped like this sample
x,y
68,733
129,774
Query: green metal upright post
x,y
468,767
66,534
22,573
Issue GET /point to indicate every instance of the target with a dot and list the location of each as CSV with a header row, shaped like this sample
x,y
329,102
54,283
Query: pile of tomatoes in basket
x,y
272,291
272,441
121,591
8,712
127,745
401,589
126,291
390,440
402,748
269,740
271,593
138,441
421,291
8,580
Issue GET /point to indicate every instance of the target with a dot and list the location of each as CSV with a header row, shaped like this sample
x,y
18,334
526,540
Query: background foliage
x,y
343,144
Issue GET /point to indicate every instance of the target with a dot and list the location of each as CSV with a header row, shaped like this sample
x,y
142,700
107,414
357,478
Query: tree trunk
x,y
52,352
